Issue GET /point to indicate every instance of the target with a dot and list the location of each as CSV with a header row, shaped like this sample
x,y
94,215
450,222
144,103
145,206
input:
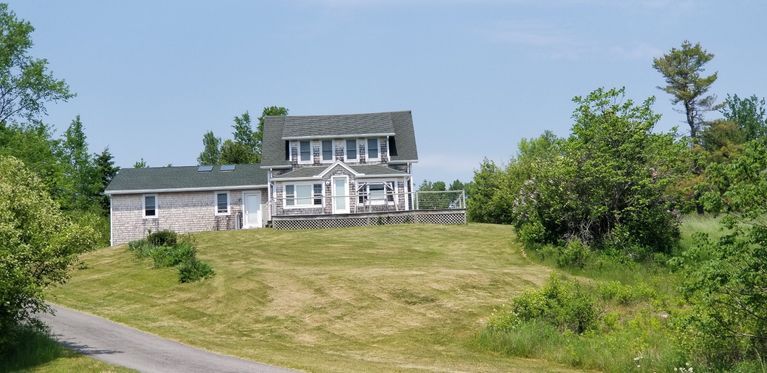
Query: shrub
x,y
141,248
574,254
163,238
561,303
169,256
194,269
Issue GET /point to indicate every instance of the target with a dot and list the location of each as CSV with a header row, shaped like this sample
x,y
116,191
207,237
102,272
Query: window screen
x,y
222,203
327,150
150,205
306,153
372,148
351,149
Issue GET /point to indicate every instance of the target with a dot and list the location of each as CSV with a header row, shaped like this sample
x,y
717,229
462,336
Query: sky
x,y
151,77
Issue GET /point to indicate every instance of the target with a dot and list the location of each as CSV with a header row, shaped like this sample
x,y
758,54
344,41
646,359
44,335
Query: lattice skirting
x,y
359,220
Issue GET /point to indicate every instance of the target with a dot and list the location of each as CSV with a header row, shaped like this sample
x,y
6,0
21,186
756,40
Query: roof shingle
x,y
186,177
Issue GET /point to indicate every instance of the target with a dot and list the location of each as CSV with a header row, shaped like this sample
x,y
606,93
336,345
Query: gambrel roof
x,y
279,129
186,178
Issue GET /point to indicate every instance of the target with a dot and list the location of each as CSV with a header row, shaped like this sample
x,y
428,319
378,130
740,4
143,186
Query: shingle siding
x,y
180,212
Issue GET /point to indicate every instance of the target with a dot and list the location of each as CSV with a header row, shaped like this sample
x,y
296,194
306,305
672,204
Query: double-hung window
x,y
372,148
305,150
150,206
222,203
327,150
351,149
303,195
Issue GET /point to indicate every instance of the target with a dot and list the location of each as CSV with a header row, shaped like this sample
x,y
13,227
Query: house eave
x,y
177,190
352,136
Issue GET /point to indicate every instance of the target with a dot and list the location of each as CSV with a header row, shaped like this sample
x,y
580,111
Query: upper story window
x,y
222,203
351,149
150,206
372,148
305,150
327,150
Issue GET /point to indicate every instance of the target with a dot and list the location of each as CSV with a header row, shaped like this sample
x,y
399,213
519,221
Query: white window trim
x,y
295,200
215,204
367,149
156,206
356,150
311,156
332,151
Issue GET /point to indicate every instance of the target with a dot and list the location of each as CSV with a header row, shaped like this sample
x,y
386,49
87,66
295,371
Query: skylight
x,y
204,168
227,167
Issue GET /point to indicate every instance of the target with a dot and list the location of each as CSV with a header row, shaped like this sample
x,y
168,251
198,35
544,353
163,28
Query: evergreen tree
x,y
140,164
682,69
81,167
106,170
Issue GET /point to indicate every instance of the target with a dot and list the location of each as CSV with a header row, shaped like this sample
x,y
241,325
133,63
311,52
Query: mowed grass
x,y
388,298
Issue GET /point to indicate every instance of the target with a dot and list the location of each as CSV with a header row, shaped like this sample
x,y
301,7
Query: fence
x,y
368,202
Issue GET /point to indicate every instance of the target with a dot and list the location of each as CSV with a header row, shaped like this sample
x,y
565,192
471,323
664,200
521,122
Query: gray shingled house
x,y
319,171
316,171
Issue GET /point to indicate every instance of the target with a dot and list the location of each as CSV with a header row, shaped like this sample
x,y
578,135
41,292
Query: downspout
x,y
111,226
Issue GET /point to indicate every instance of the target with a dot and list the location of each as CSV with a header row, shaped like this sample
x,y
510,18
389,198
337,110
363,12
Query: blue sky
x,y
152,76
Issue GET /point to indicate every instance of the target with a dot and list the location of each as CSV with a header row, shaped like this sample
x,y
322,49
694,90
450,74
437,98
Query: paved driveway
x,y
121,345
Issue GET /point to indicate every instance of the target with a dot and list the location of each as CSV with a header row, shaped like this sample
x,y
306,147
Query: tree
x,y
140,164
37,246
33,145
428,186
233,152
607,186
82,171
682,69
749,114
26,85
249,139
106,171
457,185
211,153
725,279
484,187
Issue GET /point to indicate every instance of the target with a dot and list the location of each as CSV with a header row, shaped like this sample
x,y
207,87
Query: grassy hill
x,y
359,299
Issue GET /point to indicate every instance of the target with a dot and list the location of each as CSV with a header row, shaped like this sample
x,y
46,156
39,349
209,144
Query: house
x,y
316,171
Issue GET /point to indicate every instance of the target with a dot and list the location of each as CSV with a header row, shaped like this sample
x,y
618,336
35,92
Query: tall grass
x,y
639,302
34,350
31,348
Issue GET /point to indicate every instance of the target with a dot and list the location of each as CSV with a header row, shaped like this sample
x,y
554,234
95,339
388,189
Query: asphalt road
x,y
121,345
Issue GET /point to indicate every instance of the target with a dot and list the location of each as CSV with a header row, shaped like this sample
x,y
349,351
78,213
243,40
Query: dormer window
x,y
372,148
351,149
306,153
327,150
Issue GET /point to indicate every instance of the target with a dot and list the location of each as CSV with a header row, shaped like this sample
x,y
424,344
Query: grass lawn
x,y
36,352
390,298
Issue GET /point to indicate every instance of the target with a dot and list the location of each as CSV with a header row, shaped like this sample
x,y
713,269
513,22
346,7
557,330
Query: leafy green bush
x,y
563,304
169,256
574,254
194,269
163,238
182,254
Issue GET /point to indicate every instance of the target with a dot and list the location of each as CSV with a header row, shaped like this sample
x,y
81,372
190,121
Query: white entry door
x,y
252,215
340,194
